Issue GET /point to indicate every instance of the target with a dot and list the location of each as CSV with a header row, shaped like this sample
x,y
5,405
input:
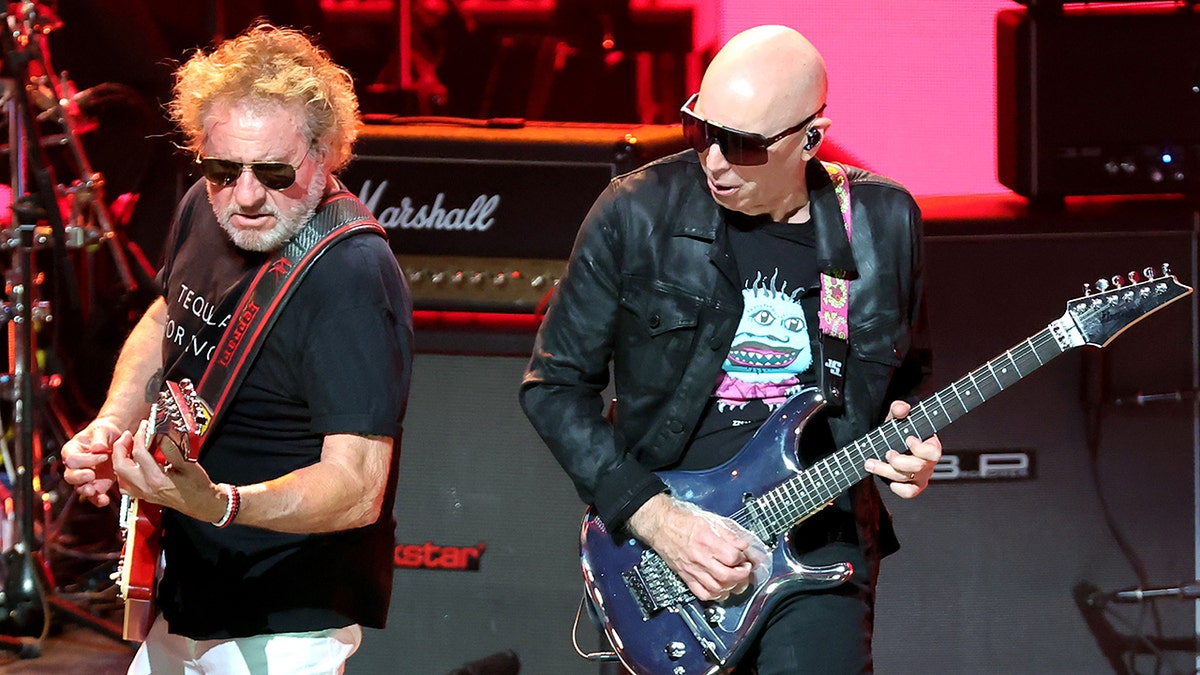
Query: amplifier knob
x,y
500,279
476,278
438,277
538,281
416,277
1112,167
458,278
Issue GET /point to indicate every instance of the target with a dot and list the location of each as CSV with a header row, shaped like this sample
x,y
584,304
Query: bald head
x,y
764,79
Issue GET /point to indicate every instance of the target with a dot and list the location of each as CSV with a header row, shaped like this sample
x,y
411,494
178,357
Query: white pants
x,y
317,653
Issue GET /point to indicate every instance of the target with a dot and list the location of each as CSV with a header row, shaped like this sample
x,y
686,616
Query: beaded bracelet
x,y
232,504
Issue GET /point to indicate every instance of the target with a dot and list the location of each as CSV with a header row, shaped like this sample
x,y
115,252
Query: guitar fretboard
x,y
794,500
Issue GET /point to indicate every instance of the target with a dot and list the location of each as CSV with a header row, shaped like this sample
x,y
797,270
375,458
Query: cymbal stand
x,y
28,588
86,193
91,219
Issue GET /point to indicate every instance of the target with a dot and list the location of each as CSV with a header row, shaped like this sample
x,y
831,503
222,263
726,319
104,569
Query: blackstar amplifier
x,y
482,214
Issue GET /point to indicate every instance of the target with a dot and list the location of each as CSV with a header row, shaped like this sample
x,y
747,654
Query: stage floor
x,y
71,650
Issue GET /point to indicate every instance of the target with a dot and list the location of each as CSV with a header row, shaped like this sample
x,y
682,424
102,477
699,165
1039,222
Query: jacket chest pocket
x,y
657,333
877,355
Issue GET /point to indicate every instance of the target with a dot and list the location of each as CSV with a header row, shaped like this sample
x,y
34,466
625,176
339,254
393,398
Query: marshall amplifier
x,y
482,214
1098,101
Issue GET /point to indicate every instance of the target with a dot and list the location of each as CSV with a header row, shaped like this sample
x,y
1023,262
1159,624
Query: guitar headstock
x,y
181,415
1113,305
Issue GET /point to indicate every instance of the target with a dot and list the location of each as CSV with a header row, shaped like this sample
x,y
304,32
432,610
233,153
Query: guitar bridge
x,y
655,586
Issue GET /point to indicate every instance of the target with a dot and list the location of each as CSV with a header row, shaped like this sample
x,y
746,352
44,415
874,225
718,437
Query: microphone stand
x,y
1114,644
28,588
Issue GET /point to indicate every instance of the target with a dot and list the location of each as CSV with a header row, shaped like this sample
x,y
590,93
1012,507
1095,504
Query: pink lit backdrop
x,y
912,83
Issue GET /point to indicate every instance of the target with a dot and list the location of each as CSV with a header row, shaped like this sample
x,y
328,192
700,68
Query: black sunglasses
x,y
738,147
225,172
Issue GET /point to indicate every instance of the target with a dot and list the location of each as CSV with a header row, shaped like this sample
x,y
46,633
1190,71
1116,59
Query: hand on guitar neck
x,y
909,473
101,454
169,481
150,464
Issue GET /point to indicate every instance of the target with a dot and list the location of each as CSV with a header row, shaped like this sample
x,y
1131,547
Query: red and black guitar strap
x,y
340,216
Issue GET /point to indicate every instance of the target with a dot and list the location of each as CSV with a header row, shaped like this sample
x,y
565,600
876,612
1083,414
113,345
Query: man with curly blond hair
x,y
277,542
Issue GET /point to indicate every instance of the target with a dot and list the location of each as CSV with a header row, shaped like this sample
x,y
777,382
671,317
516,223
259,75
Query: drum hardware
x,y
54,94
29,596
75,237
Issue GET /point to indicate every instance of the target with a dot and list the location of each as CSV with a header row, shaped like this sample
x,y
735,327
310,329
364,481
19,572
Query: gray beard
x,y
287,223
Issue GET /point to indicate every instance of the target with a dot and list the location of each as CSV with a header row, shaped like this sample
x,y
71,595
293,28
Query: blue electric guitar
x,y
654,623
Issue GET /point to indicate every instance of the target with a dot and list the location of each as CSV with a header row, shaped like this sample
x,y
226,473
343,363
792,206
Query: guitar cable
x,y
1094,384
601,657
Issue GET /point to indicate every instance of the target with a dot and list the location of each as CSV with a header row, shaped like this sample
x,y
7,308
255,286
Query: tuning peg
x,y
1134,277
1149,273
1102,285
1087,290
1166,268
1118,280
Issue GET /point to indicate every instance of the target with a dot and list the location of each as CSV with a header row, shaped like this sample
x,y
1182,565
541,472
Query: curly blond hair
x,y
270,65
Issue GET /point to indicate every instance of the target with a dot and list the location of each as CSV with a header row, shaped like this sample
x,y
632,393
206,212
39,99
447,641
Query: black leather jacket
x,y
651,288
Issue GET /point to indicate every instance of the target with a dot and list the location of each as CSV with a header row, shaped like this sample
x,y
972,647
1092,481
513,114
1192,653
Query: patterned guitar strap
x,y
340,216
835,303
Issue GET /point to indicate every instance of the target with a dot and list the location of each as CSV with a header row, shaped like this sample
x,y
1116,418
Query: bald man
x,y
697,282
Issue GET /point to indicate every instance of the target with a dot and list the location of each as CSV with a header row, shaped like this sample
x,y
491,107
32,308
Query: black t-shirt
x,y
338,360
774,354
775,350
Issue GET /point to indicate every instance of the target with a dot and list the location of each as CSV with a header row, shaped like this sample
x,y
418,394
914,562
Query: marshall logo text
x,y
478,217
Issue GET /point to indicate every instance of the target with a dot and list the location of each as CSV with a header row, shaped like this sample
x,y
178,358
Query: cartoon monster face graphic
x,y
771,346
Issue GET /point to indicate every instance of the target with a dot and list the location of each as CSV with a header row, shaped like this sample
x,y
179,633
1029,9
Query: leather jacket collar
x,y
834,255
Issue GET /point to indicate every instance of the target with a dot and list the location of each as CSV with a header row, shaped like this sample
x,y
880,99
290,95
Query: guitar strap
x,y
340,216
835,302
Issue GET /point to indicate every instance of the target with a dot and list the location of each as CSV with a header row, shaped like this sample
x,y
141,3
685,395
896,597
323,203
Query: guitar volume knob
x,y
675,650
714,615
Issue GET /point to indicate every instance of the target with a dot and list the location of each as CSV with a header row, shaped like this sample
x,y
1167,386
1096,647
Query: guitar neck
x,y
808,492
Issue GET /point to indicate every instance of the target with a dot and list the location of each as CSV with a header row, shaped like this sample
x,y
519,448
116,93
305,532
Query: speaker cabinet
x,y
488,534
984,580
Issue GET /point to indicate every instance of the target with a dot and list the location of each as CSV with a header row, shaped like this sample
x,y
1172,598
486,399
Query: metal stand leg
x,y
29,593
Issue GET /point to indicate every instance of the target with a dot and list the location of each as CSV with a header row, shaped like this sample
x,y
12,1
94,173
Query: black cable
x,y
1094,386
